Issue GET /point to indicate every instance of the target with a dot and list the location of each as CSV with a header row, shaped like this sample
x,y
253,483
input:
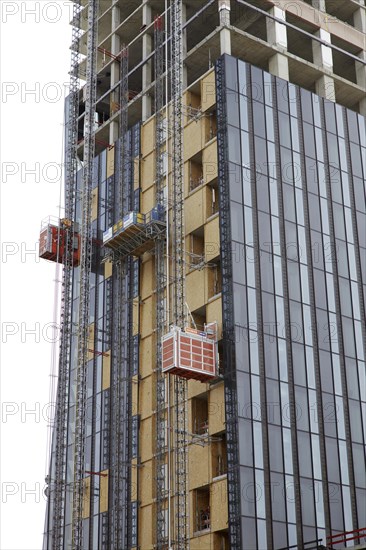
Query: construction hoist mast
x,y
120,530
178,260
85,270
161,280
59,481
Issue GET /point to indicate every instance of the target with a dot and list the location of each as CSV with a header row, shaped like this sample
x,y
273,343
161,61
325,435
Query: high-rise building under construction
x,y
211,387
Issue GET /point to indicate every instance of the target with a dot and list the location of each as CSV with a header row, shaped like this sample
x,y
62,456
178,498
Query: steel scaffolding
x,y
59,481
85,270
178,259
161,466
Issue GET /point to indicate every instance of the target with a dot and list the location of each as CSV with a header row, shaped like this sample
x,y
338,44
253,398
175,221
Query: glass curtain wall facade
x,y
292,168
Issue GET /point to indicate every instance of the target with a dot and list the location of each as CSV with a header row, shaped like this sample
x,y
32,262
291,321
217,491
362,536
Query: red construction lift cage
x,y
52,241
191,353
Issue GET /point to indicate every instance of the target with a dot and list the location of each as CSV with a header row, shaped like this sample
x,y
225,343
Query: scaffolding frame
x,y
85,270
120,441
61,416
161,285
178,259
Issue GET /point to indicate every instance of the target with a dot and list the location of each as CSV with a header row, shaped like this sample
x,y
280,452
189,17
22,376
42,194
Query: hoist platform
x,y
136,232
52,240
191,353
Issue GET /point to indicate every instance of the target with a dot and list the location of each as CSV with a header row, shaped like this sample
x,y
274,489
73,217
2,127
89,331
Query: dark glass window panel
x,y
240,306
259,119
361,502
237,223
233,111
342,258
287,166
235,183
307,501
336,509
289,203
323,329
231,72
270,354
293,281
284,129
326,371
330,417
279,535
273,402
264,226
296,326
242,349
257,84
266,262
314,212
298,364
292,252
330,120
303,441
234,145
302,408
356,160
333,152
352,126
355,421
261,164
309,140
238,264
275,448
292,97
311,175
282,95
245,443
359,465
361,229
345,295
244,398
306,106
249,533
339,224
248,491
262,193
278,494
348,337
352,378
320,290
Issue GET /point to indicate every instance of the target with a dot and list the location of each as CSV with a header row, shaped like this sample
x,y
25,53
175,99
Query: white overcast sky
x,y
35,62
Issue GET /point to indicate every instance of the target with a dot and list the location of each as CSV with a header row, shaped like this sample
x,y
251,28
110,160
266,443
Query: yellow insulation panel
x,y
106,377
208,91
110,162
103,498
86,497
